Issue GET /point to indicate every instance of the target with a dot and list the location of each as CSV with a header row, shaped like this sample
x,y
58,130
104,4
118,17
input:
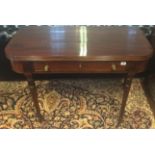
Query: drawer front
x,y
56,67
79,67
88,67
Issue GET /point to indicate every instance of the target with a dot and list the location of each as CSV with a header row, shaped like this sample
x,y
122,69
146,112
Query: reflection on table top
x,y
79,43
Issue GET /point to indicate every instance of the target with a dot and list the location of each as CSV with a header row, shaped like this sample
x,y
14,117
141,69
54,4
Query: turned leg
x,y
33,91
126,89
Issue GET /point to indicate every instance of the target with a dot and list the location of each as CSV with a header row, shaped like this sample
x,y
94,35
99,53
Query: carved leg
x,y
126,88
33,91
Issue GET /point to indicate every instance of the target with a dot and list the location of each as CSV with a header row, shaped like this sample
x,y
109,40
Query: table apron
x,y
45,67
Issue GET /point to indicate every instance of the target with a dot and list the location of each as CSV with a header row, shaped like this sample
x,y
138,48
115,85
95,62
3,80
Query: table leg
x,y
147,90
33,91
126,89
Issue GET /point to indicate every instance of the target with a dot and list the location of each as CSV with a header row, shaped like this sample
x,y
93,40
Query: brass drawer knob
x,y
113,67
123,63
46,68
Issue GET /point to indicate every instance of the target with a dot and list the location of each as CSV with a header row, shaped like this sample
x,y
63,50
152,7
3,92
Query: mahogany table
x,y
79,49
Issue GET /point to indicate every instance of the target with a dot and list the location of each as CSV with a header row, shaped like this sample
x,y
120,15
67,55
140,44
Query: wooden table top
x,y
79,43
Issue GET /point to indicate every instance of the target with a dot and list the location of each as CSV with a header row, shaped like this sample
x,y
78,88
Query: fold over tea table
x,y
79,49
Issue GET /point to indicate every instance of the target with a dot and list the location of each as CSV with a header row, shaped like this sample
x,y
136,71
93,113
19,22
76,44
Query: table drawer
x,y
56,67
88,67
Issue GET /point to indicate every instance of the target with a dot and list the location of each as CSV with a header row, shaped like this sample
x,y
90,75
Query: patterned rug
x,y
74,103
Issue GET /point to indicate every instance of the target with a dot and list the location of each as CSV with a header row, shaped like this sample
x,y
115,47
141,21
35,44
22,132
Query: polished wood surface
x,y
79,43
79,49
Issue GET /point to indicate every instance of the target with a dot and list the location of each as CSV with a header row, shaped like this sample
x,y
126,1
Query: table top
x,y
79,43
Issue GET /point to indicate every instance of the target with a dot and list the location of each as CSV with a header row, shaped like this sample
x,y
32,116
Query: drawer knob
x,y
123,63
80,65
46,68
113,67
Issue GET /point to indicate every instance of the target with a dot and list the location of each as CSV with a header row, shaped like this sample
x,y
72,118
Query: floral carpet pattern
x,y
73,104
